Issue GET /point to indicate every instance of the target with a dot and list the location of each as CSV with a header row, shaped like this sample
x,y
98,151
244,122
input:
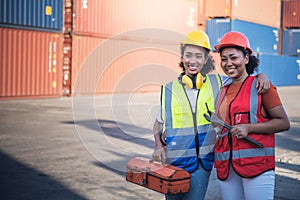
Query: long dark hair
x,y
207,67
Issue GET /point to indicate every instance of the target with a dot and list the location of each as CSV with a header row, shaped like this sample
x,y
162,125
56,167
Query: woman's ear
x,y
246,58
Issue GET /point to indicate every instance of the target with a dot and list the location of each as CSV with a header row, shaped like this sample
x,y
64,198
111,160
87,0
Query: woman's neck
x,y
239,79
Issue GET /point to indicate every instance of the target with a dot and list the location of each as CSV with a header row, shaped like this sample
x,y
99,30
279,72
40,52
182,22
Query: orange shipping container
x,y
30,64
106,65
265,12
291,14
217,60
107,18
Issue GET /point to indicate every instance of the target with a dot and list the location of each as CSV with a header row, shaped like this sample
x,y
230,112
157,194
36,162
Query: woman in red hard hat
x,y
246,171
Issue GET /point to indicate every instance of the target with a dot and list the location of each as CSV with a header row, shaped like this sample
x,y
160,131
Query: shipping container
x,y
201,15
217,61
265,12
281,70
106,65
291,42
216,28
106,18
68,15
30,64
262,38
291,14
45,15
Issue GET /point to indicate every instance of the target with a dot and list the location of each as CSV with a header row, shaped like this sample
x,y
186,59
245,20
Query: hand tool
x,y
213,118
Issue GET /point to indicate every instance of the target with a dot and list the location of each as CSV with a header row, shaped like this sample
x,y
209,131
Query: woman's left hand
x,y
240,131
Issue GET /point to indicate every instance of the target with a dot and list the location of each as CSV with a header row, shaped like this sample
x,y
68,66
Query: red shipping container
x,y
106,65
107,18
30,64
291,14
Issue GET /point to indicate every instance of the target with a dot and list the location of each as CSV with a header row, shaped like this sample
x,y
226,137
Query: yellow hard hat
x,y
197,38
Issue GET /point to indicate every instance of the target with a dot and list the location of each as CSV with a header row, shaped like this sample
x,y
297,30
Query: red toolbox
x,y
166,179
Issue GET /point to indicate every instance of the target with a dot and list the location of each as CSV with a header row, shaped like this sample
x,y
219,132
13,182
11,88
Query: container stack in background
x,y
91,47
52,48
284,68
31,48
267,25
124,46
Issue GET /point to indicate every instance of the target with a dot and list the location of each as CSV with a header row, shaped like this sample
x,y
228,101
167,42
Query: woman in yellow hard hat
x,y
183,137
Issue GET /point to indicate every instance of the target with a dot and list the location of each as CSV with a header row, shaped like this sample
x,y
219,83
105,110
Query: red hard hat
x,y
234,38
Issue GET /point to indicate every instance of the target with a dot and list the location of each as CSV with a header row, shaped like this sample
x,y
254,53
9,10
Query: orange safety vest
x,y
247,159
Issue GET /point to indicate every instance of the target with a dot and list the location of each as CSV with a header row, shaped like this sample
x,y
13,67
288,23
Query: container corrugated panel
x,y
217,61
281,70
102,65
106,18
216,28
266,12
201,14
262,38
46,15
291,42
291,14
266,41
218,8
31,64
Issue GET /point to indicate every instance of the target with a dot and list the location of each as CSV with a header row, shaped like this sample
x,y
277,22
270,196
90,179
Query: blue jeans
x,y
198,187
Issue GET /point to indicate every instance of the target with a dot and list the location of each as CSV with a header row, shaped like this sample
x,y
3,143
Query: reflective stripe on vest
x,y
245,153
253,103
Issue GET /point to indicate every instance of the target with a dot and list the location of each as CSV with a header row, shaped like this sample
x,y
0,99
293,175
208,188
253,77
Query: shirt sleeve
x,y
225,80
158,116
271,98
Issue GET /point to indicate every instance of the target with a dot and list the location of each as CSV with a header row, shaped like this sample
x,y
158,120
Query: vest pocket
x,y
242,118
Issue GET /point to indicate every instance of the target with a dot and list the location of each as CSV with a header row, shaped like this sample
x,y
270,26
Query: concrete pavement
x,y
77,148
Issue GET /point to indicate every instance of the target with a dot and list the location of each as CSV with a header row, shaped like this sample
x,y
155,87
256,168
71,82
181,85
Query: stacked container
x,y
261,22
251,18
290,40
31,43
291,28
72,47
121,46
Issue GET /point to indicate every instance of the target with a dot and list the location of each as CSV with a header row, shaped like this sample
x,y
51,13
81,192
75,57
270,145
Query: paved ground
x,y
77,148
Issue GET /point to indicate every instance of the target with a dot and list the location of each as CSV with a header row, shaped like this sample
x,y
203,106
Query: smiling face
x,y
193,59
233,63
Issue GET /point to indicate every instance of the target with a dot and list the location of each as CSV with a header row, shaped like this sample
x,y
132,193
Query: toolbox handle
x,y
145,177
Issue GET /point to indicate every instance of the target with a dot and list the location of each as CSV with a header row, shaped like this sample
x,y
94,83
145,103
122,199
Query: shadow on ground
x,y
18,181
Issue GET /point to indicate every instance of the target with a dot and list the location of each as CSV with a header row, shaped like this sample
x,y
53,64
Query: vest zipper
x,y
194,121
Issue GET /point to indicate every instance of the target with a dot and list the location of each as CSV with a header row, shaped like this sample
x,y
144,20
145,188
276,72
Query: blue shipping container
x,y
216,28
44,15
291,42
281,70
263,39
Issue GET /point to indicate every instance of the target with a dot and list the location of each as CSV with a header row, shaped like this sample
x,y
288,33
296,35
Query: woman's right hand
x,y
159,154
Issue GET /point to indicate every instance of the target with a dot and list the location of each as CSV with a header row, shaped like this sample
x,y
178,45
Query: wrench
x,y
212,117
